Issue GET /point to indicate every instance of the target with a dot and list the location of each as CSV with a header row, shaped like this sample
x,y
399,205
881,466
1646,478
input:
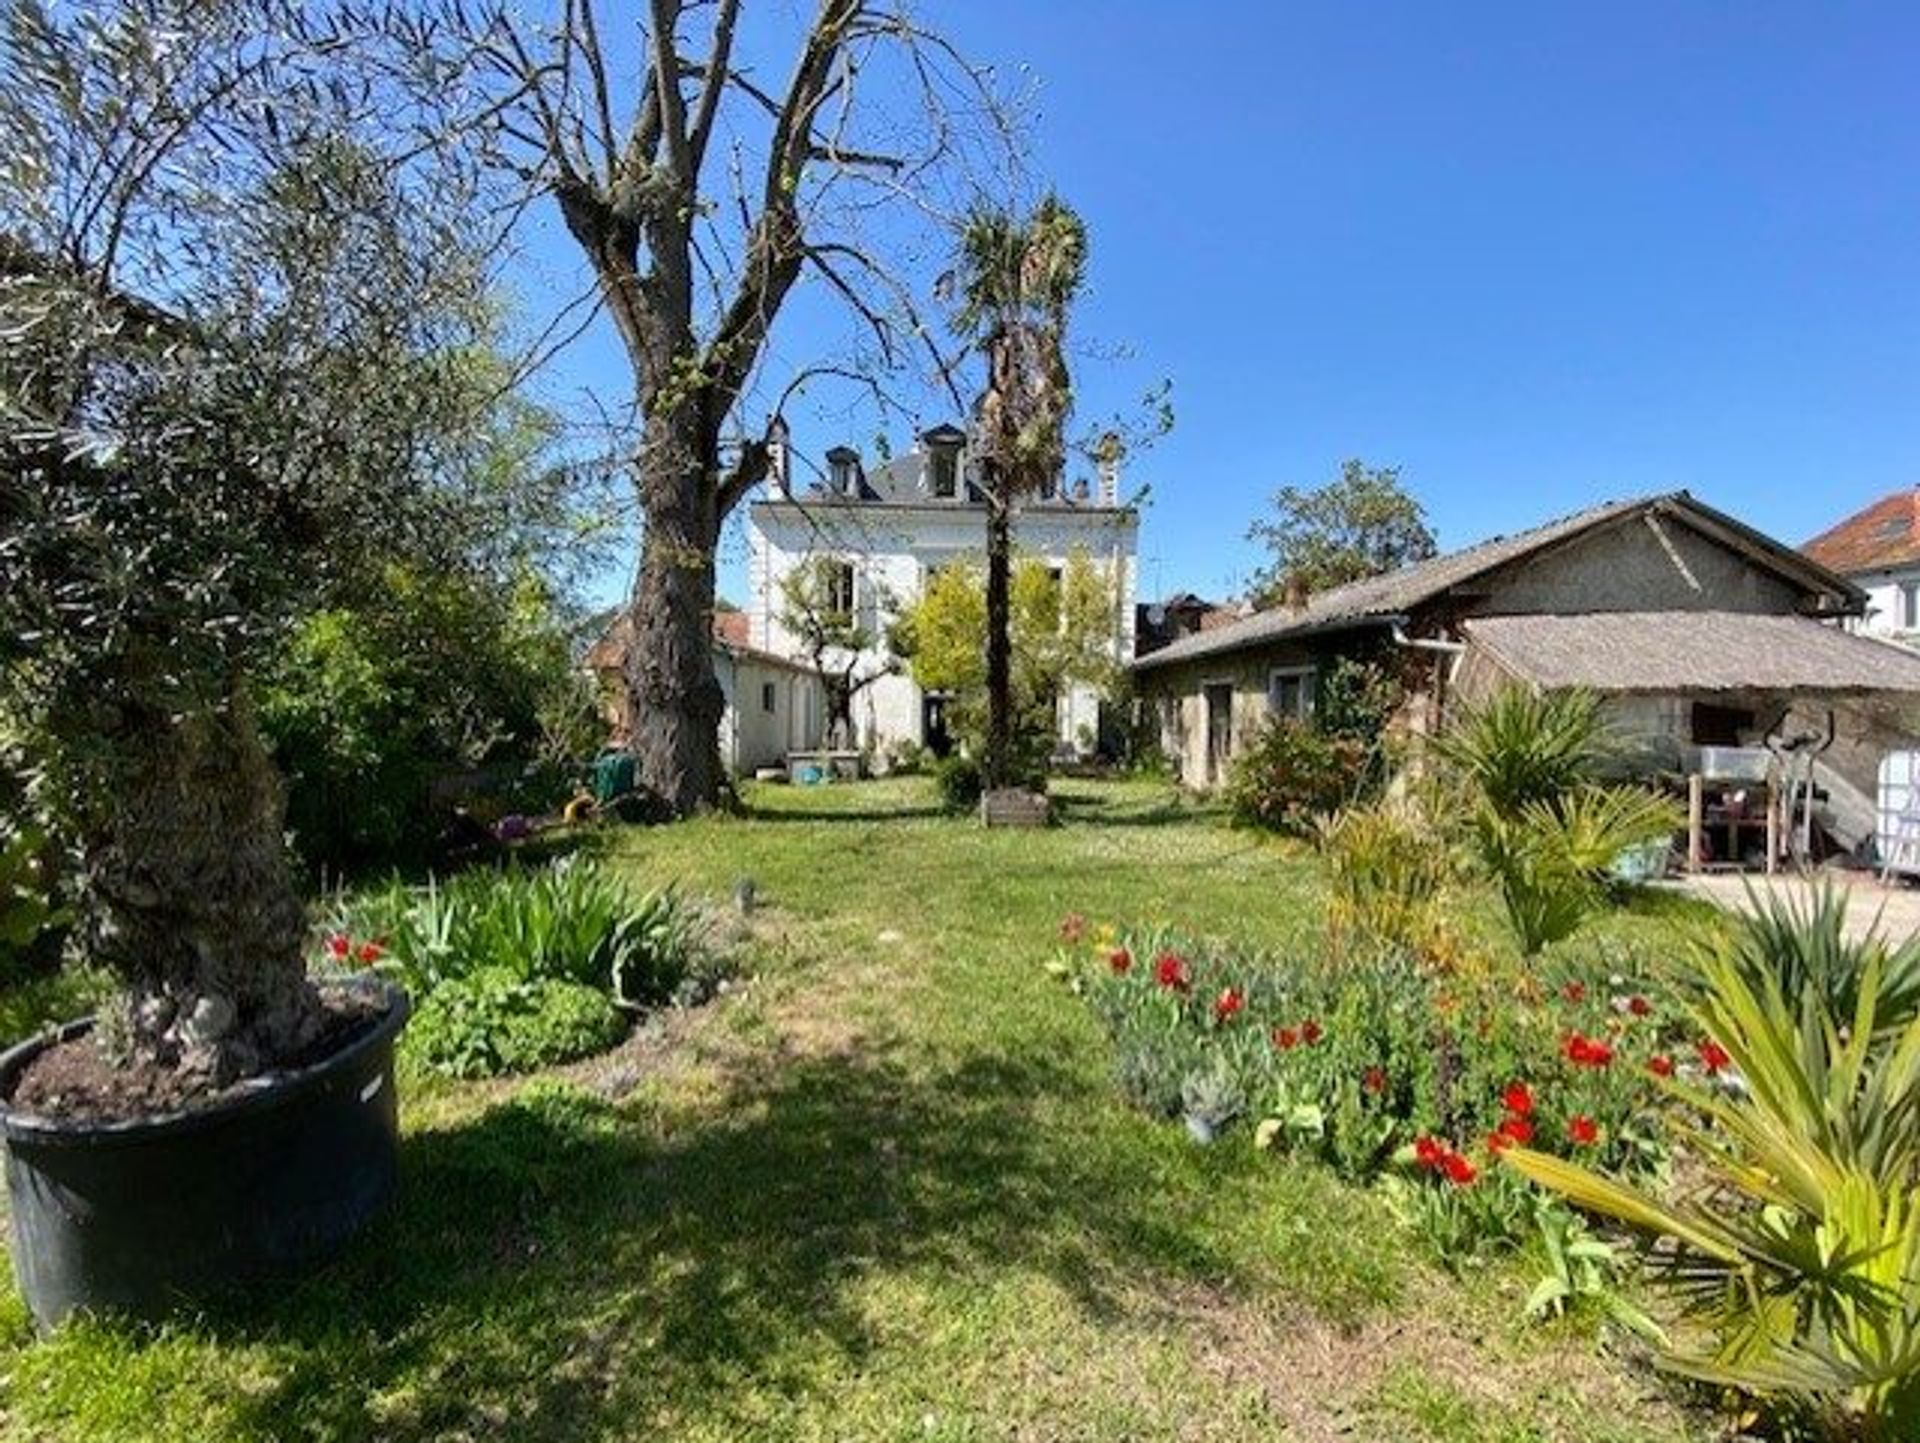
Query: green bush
x,y
1387,870
1545,828
1292,774
496,1021
957,779
368,706
567,921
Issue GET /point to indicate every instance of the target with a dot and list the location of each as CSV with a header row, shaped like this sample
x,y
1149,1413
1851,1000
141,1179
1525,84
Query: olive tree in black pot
x,y
240,372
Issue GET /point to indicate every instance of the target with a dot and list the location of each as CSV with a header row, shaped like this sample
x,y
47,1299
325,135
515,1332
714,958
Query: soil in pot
x,y
73,1081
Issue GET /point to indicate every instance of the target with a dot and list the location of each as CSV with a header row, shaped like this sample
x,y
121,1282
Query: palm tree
x,y
1016,280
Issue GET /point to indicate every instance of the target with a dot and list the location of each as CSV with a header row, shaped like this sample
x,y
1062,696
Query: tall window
x,y
1290,692
768,697
1910,606
836,578
944,465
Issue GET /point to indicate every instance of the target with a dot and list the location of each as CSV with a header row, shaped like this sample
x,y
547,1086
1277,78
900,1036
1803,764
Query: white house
x,y
1878,550
891,529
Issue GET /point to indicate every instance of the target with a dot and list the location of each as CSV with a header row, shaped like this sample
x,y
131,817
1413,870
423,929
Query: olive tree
x,y
239,370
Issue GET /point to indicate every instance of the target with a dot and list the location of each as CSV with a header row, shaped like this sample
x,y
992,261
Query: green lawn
x,y
882,1191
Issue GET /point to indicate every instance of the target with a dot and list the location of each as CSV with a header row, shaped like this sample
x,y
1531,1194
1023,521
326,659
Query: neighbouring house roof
x,y
1381,600
1680,652
730,632
1881,537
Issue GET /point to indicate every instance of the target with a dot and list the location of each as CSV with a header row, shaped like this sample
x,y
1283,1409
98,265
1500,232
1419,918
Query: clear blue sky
x,y
1535,255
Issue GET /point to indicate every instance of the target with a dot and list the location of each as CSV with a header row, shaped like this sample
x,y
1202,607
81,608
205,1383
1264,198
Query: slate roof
x,y
1883,536
1379,600
1666,652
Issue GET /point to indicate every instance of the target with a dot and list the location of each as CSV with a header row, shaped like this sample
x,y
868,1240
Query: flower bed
x,y
1383,1066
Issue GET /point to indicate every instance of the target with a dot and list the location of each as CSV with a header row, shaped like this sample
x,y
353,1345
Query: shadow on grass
x,y
558,1266
1161,811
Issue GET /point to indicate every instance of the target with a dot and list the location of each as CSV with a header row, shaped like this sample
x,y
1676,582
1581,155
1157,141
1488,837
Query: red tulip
x,y
1120,960
1517,1099
1582,1130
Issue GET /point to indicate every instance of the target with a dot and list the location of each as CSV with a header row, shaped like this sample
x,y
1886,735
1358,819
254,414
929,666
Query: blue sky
x,y
1534,255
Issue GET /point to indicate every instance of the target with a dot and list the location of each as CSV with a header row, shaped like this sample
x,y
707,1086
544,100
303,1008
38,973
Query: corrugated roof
x,y
1884,535
1693,651
1379,599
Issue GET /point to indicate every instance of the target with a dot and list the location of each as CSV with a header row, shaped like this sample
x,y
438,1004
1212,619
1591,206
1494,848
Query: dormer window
x,y
943,445
843,471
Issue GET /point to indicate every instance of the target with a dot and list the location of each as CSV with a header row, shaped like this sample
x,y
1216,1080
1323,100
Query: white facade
x,y
772,708
896,528
1893,604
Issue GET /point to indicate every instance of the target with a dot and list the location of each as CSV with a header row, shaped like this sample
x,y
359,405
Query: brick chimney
x,y
779,459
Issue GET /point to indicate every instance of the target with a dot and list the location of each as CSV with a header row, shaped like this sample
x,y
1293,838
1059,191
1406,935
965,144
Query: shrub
x,y
1802,1253
1291,774
31,914
1543,826
957,779
496,1021
1387,868
1551,860
1805,950
1518,748
568,921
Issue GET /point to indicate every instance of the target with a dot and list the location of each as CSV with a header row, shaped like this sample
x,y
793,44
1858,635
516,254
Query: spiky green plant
x,y
1802,1251
1519,748
1805,945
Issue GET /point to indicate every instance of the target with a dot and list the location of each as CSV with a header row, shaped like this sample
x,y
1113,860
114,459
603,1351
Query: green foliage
x,y
1580,1273
1803,1253
1519,747
1292,774
1551,860
1357,696
1388,868
1544,827
569,921
425,677
1805,948
495,1020
1358,1060
957,779
28,908
1362,524
1061,632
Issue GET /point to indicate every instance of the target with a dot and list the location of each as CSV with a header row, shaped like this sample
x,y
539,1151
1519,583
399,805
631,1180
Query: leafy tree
x,y
1060,633
834,638
245,367
1363,524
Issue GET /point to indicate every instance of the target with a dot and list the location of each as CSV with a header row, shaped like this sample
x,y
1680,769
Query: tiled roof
x,y
1665,652
1885,535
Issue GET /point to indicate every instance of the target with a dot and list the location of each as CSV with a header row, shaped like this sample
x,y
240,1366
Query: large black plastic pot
x,y
136,1218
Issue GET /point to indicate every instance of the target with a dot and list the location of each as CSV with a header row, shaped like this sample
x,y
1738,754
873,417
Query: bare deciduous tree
x,y
700,198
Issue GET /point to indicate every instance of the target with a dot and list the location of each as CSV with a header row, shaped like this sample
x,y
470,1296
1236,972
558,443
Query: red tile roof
x,y
1885,535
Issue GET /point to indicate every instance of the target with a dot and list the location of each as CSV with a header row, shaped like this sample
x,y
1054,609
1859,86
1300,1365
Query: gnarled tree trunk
x,y
199,912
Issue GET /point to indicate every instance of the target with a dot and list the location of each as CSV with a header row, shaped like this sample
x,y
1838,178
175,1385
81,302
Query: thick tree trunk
x,y
997,763
200,916
674,698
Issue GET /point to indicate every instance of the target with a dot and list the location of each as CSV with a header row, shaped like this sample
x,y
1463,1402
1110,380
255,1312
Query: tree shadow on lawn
x,y
560,1265
915,812
1111,811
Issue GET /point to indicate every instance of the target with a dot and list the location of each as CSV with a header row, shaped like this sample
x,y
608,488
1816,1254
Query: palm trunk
x,y
998,760
200,916
675,703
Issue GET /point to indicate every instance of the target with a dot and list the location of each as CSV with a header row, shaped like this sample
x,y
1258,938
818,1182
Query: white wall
x,y
894,548
751,736
1886,611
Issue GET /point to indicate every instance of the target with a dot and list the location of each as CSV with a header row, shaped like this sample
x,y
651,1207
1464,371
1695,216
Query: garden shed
x,y
1701,630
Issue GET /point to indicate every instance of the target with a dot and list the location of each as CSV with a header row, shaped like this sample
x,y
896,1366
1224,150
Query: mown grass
x,y
882,1191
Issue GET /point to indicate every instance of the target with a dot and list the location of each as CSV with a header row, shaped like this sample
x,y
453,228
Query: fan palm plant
x,y
1015,281
1802,1253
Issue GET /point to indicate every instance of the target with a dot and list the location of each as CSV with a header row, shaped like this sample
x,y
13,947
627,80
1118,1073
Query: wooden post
x,y
1696,809
1773,829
